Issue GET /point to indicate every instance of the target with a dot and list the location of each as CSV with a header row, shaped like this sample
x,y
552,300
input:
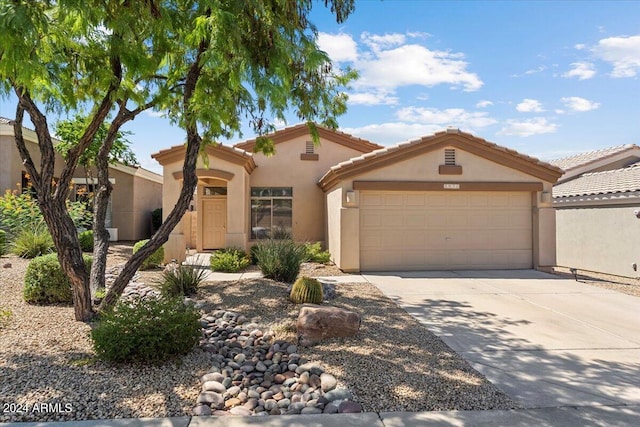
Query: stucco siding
x,y
147,197
600,239
287,169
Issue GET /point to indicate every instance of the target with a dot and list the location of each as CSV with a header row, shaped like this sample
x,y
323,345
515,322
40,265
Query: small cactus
x,y
306,290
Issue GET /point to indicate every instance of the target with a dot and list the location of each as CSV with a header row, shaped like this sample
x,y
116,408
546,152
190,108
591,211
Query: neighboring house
x,y
445,201
136,191
597,204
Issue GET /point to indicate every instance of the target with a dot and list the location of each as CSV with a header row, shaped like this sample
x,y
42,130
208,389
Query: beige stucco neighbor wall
x,y
147,197
286,169
344,245
603,239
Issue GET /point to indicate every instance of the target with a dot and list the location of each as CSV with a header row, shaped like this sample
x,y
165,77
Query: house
x,y
597,204
445,201
136,191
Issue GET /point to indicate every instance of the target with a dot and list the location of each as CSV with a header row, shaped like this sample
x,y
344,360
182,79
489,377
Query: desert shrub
x,y
316,254
152,260
33,242
86,241
148,331
306,290
5,317
3,242
252,255
46,283
280,259
229,260
181,280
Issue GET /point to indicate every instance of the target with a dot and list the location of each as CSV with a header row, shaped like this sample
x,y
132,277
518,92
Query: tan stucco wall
x,y
286,169
425,168
237,207
147,197
600,239
10,162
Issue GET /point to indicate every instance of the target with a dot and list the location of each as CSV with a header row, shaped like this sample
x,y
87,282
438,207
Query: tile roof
x,y
4,121
571,162
468,139
606,182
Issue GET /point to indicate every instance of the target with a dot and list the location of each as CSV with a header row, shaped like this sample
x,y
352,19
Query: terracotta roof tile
x,y
4,121
606,182
571,162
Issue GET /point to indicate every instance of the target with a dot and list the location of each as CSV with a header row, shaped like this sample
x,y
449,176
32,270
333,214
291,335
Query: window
x,y
271,209
449,157
215,191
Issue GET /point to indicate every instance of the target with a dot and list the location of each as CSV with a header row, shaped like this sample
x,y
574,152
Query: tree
x,y
208,64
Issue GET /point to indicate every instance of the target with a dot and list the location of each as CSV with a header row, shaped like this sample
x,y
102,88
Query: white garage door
x,y
445,230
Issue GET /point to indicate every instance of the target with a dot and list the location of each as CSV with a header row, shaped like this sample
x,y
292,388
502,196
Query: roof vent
x,y
451,129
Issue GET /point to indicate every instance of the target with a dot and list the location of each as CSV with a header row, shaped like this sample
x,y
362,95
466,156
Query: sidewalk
x,y
557,417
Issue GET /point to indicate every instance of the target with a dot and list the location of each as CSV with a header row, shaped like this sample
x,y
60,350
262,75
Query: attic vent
x,y
309,147
449,157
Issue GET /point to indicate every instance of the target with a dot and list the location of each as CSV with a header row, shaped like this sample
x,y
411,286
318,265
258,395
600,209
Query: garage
x,y
448,201
405,230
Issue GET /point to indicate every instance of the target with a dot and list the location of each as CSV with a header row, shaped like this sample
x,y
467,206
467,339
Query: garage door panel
x,y
440,230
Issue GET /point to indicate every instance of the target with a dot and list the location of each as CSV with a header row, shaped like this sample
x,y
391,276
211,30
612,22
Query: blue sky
x,y
546,78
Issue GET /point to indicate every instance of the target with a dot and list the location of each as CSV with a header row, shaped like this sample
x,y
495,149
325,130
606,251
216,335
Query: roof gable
x,y
449,138
597,160
286,134
230,154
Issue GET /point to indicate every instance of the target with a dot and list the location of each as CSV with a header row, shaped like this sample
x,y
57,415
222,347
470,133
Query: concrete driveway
x,y
544,340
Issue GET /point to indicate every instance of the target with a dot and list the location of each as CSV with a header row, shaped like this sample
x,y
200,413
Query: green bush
x,y
33,242
149,331
46,283
86,241
306,290
252,255
156,218
316,254
280,259
3,242
152,260
229,260
182,280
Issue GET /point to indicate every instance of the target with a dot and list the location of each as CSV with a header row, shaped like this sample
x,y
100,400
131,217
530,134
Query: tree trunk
x,y
100,233
65,237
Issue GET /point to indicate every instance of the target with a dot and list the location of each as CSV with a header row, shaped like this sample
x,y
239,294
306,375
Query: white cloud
x,y
377,42
581,70
152,113
577,104
413,64
529,106
580,46
339,47
457,117
536,70
534,126
622,52
393,132
372,98
484,104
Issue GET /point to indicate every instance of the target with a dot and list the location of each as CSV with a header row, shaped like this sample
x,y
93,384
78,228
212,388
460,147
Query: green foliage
x,y
252,255
20,211
156,218
70,131
183,280
5,317
148,331
86,241
306,290
33,242
100,293
153,260
46,283
280,259
314,253
229,260
3,242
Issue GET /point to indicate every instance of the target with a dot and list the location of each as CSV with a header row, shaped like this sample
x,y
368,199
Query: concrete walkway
x,y
547,342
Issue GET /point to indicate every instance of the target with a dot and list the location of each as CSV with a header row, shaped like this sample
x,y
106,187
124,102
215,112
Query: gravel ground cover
x,y
47,361
625,285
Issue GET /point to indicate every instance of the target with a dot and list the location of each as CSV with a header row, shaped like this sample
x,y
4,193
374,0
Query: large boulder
x,y
316,323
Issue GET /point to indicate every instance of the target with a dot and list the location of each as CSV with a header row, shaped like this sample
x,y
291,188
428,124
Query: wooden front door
x,y
214,223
